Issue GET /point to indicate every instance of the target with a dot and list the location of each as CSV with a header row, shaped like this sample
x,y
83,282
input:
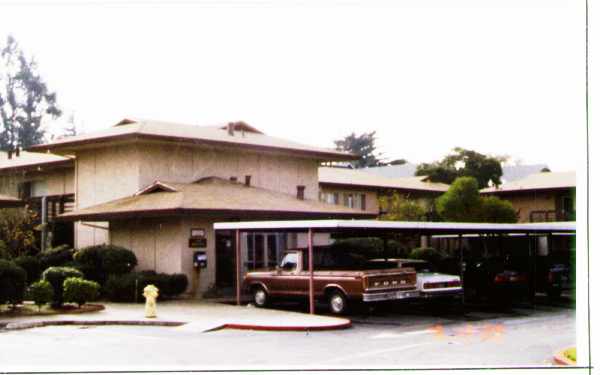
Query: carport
x,y
376,228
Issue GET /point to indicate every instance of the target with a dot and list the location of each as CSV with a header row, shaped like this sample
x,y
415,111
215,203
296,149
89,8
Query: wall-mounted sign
x,y
197,242
197,233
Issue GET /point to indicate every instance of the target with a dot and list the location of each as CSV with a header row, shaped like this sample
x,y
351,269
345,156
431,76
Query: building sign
x,y
197,238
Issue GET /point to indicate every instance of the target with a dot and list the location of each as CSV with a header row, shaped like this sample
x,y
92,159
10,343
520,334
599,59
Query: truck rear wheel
x,y
337,301
261,298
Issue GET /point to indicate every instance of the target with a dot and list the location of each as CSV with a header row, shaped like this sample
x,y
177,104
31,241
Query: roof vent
x,y
230,128
233,179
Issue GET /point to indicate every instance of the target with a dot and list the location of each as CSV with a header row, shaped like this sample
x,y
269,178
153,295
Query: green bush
x,y
429,254
60,256
101,261
122,288
79,290
56,277
40,293
32,265
12,283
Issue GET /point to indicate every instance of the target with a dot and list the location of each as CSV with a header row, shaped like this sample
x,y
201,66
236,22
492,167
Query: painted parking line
x,y
379,352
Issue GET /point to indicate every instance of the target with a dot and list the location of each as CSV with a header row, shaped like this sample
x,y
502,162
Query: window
x,y
289,262
349,200
363,202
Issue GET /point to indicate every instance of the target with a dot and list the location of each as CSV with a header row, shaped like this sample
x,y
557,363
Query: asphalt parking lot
x,y
396,336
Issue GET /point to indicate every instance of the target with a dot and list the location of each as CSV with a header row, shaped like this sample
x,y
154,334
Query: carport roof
x,y
378,226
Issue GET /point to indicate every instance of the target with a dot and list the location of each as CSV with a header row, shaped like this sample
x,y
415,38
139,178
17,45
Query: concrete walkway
x,y
189,315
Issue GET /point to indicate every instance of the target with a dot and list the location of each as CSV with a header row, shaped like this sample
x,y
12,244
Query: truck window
x,y
289,262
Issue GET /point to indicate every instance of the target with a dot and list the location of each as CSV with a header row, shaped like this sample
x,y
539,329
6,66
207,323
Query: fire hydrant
x,y
150,292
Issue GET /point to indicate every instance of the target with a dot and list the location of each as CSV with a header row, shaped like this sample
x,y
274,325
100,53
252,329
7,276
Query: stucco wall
x,y
186,164
102,175
372,204
200,279
155,242
526,203
58,181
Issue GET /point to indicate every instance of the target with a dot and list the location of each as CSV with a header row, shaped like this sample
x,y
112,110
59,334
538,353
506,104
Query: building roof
x,y
32,160
359,227
537,181
6,201
209,195
241,135
357,177
393,171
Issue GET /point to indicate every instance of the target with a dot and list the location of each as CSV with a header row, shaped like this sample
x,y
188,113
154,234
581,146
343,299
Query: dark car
x,y
498,279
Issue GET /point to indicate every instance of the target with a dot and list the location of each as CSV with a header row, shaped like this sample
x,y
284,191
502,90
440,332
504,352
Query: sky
x,y
501,77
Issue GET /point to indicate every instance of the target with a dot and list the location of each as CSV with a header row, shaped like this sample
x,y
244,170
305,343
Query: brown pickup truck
x,y
337,279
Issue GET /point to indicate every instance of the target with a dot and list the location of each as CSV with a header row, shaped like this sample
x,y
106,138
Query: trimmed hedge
x,y
101,261
79,290
122,288
60,256
12,283
32,265
40,293
56,277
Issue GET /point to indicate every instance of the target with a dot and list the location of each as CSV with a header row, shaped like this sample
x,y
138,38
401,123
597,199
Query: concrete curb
x,y
44,323
254,327
560,359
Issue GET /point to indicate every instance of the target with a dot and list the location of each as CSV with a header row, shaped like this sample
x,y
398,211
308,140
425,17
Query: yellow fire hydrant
x,y
150,292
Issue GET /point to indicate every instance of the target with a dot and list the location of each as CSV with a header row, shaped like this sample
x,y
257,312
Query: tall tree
x,y
24,99
463,163
362,145
462,203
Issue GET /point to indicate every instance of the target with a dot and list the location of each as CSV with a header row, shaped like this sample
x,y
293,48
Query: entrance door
x,y
225,250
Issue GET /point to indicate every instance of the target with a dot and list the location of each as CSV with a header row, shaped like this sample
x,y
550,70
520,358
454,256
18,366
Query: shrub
x,y
427,253
40,293
79,290
122,288
12,283
56,277
59,256
101,261
31,265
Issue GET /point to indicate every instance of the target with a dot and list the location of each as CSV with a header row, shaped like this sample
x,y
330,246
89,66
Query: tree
x,y
496,210
399,208
25,100
462,203
362,145
462,163
17,227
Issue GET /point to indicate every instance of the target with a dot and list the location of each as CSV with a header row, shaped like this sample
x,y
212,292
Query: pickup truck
x,y
338,279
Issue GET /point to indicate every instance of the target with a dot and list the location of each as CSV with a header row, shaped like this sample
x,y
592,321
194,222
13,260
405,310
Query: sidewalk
x,y
189,315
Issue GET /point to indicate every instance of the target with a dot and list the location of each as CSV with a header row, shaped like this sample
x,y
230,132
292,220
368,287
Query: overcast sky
x,y
501,77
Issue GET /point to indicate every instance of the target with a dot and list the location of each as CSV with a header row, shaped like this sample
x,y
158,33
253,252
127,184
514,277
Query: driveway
x,y
387,338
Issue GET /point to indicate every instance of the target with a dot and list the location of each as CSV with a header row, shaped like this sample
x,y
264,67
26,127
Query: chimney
x,y
300,192
248,179
17,152
230,128
10,154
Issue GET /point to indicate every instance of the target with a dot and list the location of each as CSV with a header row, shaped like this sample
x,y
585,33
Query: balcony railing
x,y
551,215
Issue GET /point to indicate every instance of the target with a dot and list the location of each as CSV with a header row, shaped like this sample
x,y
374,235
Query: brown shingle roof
x,y
354,177
209,195
537,181
27,160
244,136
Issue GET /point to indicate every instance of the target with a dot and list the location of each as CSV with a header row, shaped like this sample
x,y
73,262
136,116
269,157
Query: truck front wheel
x,y
261,297
338,303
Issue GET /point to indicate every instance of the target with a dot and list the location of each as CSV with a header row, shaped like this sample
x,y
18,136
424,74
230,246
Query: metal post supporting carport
x,y
462,266
311,286
238,268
